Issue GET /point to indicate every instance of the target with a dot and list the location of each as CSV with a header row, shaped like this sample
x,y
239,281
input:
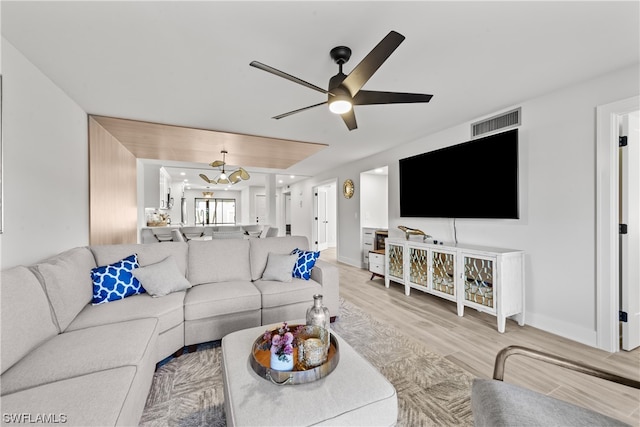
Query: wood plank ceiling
x,y
165,142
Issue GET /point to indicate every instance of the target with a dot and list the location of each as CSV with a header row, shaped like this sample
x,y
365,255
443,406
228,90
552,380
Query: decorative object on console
x,y
115,281
306,262
344,90
348,189
223,178
408,232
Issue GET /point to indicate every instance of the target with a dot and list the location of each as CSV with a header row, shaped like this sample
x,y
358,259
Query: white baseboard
x,y
567,330
354,263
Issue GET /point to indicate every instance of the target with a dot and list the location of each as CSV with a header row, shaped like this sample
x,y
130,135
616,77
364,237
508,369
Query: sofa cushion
x,y
148,253
169,311
26,318
216,299
275,294
115,281
304,264
82,352
104,392
260,249
280,267
67,282
162,278
218,261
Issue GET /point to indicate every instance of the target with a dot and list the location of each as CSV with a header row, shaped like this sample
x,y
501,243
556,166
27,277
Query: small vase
x,y
317,314
281,363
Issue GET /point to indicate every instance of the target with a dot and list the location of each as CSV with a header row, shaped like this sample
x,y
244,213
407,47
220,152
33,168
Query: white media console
x,y
488,279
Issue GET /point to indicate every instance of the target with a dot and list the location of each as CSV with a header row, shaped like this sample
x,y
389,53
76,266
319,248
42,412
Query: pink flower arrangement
x,y
281,342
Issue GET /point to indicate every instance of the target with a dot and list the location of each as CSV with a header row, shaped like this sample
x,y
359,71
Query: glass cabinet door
x,y
479,276
396,261
418,266
443,272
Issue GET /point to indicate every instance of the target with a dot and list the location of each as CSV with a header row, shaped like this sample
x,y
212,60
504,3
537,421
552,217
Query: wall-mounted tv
x,y
475,179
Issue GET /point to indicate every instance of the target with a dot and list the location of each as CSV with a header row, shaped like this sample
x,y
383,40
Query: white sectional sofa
x,y
66,360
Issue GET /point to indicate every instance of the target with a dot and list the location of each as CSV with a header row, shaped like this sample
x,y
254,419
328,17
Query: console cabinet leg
x,y
502,320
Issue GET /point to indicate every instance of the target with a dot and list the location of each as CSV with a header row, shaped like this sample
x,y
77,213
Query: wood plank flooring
x,y
473,341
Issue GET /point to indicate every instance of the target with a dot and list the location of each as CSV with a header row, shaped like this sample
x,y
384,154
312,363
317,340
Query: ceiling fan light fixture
x,y
340,102
340,106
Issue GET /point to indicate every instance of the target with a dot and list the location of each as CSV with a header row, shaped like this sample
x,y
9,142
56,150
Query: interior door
x,y
261,208
322,220
630,242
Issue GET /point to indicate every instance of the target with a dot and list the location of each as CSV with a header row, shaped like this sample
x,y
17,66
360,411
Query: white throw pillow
x,y
162,278
280,267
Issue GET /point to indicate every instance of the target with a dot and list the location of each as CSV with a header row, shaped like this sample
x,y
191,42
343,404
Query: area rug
x,y
188,390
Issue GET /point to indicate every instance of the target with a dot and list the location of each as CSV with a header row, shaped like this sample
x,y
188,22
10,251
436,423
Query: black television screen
x,y
475,179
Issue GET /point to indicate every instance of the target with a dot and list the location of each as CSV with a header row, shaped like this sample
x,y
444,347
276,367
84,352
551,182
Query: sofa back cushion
x,y
213,261
67,280
260,249
148,253
25,315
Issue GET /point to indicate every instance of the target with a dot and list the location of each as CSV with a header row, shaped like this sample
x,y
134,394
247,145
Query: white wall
x,y
245,206
556,228
46,177
374,200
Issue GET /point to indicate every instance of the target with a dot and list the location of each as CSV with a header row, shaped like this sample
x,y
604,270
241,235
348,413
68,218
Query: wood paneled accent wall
x,y
113,206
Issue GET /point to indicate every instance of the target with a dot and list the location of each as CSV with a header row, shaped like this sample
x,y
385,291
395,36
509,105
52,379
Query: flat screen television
x,y
475,179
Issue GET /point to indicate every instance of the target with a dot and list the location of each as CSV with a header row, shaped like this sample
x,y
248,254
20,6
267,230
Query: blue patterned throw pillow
x,y
115,281
305,263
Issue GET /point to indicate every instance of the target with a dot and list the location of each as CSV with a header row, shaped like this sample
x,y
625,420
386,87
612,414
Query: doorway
x,y
610,293
325,216
629,218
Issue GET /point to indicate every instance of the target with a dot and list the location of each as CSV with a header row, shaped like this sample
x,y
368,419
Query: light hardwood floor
x,y
473,341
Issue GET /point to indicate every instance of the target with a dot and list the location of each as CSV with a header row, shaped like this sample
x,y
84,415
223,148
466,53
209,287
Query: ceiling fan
x,y
223,178
344,91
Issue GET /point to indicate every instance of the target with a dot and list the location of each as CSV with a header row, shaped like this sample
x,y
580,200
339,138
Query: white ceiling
x,y
187,63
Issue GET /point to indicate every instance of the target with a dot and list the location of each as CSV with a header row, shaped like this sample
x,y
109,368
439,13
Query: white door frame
x,y
607,250
314,212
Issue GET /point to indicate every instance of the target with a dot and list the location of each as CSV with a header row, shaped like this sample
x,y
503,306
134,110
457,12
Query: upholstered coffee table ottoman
x,y
355,393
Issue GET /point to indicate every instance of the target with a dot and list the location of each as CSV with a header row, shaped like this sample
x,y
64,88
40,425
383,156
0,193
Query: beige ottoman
x,y
355,393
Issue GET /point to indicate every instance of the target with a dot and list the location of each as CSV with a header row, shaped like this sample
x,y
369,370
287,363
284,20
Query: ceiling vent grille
x,y
497,123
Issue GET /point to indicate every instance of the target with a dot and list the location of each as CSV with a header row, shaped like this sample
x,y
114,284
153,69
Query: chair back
x,y
272,232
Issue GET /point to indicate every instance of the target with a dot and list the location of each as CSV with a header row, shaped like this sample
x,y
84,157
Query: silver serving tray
x,y
259,362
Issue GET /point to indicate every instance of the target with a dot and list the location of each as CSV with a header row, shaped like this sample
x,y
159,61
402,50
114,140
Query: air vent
x,y
497,123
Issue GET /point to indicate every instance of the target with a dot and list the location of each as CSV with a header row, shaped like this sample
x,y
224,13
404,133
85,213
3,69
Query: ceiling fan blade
x,y
368,66
350,119
223,181
284,75
217,164
297,111
205,178
369,97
